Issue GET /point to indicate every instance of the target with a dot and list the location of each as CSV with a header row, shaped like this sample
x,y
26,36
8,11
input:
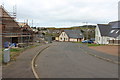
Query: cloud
x,y
65,12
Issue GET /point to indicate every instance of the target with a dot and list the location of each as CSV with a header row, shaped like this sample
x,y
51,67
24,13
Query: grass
x,y
94,45
14,52
0,59
0,56
88,44
76,42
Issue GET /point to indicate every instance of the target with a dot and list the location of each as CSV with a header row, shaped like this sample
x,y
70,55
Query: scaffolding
x,y
11,31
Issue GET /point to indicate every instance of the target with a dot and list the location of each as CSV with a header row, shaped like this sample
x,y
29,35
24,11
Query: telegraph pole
x,y
86,31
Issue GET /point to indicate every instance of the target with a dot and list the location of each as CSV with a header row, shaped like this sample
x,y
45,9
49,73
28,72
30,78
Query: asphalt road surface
x,y
68,60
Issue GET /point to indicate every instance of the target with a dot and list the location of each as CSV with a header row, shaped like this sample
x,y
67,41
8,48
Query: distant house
x,y
71,35
108,33
27,32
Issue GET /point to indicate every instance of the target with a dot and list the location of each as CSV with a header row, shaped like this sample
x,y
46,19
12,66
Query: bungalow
x,y
71,35
108,33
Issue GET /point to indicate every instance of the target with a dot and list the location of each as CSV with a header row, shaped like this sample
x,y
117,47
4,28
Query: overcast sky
x,y
63,13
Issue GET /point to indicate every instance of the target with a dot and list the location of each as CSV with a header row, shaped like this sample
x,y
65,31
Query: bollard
x,y
6,55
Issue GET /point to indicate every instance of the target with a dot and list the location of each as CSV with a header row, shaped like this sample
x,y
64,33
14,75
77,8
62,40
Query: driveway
x,y
69,60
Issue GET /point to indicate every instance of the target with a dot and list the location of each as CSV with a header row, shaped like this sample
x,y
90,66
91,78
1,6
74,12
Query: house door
x,y
64,39
14,39
78,40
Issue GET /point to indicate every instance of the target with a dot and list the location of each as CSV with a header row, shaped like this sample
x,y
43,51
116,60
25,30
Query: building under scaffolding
x,y
11,31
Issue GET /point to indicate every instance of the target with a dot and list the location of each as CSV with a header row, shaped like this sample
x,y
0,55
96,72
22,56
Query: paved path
x,y
99,53
0,72
21,68
69,60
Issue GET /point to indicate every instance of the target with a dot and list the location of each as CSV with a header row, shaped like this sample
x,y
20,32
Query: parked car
x,y
87,41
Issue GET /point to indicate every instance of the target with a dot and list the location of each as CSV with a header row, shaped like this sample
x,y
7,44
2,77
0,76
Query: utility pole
x,y
86,31
32,33
32,23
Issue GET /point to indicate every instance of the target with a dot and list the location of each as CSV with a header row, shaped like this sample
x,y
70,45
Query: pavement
x,y
103,55
0,72
21,68
72,60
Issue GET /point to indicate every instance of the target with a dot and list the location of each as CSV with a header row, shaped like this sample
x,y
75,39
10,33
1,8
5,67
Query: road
x,y
68,60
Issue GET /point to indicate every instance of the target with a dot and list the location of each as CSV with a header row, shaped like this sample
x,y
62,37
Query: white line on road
x,y
34,65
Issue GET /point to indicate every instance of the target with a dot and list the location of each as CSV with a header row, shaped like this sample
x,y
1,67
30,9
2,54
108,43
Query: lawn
x,y
88,44
14,52
94,45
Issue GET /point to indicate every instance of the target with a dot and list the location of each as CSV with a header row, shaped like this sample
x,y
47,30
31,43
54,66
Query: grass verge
x,y
94,44
14,52
88,44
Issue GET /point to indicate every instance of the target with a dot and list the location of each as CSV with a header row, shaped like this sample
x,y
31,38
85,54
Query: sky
x,y
63,13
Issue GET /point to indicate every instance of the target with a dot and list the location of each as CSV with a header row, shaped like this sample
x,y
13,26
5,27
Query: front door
x,y
64,39
14,39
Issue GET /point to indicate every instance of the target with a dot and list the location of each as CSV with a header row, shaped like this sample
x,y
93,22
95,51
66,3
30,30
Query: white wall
x,y
101,39
118,38
97,35
56,38
72,39
104,40
63,37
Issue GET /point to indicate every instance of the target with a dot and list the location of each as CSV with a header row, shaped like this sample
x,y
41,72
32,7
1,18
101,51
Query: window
x,y
107,39
80,34
62,34
117,31
99,38
112,31
97,32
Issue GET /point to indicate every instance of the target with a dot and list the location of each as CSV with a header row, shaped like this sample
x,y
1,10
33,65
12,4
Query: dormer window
x,y
112,31
117,31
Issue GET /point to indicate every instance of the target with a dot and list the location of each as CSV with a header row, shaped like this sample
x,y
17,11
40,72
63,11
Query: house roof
x,y
111,30
115,32
74,33
104,29
115,24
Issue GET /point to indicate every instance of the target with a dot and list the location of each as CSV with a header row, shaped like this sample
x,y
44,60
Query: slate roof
x,y
104,29
115,33
111,30
115,24
74,33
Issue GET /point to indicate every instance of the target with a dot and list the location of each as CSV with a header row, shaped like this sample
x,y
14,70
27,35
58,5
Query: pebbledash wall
x,y
64,37
105,39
